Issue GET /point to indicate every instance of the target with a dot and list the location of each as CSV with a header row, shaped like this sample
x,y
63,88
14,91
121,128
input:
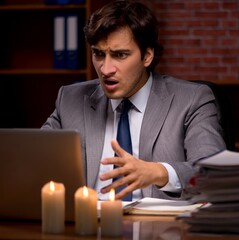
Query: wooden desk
x,y
134,227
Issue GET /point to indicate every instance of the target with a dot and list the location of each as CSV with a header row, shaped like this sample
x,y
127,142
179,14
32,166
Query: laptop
x,y
29,159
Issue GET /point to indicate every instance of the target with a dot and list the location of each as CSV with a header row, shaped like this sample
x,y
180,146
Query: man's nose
x,y
108,67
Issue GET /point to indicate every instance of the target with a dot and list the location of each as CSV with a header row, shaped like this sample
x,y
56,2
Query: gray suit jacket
x,y
180,125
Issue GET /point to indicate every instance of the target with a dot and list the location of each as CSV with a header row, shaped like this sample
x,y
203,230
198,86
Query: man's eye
x,y
120,55
98,54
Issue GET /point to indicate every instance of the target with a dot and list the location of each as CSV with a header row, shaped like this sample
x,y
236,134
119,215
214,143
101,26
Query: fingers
x,y
120,183
115,173
121,158
124,163
120,152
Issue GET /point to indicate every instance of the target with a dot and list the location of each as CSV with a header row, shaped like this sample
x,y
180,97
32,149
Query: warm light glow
x,y
112,195
52,186
85,192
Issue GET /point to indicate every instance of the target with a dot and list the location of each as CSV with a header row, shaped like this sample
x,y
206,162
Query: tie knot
x,y
125,105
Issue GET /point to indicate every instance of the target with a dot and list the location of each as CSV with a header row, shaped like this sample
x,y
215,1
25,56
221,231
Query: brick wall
x,y
200,38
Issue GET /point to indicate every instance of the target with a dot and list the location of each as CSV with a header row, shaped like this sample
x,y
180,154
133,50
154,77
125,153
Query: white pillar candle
x,y
86,211
53,207
111,217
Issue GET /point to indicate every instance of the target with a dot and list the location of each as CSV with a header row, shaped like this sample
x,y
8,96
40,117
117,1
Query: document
x,y
218,178
225,159
216,181
156,206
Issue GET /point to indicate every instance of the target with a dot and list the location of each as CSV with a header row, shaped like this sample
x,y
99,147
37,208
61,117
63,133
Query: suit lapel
x,y
156,111
95,122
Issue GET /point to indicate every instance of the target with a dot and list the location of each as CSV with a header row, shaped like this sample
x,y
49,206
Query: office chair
x,y
225,113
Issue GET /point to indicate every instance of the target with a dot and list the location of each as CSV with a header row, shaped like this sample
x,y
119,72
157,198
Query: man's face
x,y
119,64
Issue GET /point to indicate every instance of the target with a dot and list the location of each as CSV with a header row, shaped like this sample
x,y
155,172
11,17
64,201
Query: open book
x,y
156,206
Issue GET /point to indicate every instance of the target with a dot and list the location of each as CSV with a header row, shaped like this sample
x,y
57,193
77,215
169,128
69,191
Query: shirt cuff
x,y
173,184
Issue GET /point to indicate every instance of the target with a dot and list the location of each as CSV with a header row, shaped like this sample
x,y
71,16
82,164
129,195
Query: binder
x,y
59,42
72,53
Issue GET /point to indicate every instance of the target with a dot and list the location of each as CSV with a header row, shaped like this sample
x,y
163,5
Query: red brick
x,y
181,42
212,32
210,23
233,61
230,5
176,15
235,15
171,24
224,51
208,69
175,69
210,42
176,5
234,33
201,38
192,51
192,60
211,60
230,42
213,15
194,5
175,32
211,5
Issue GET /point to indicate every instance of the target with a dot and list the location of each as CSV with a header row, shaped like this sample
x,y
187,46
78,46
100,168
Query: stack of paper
x,y
217,181
157,206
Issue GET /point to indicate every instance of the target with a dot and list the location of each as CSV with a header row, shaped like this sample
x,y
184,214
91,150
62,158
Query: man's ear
x,y
148,56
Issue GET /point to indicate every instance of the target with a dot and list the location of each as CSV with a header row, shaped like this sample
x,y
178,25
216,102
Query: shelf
x,y
42,72
39,7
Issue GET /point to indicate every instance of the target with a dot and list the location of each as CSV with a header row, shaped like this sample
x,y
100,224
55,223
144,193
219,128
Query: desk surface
x,y
134,227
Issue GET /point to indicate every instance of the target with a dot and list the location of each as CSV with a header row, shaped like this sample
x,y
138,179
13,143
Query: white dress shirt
x,y
136,114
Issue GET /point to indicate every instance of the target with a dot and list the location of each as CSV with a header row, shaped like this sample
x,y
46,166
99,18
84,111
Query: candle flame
x,y
112,195
52,186
85,192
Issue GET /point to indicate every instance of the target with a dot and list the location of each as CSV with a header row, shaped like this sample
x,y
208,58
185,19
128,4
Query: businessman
x,y
173,123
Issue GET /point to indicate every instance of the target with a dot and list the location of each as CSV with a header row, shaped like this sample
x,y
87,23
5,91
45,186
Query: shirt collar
x,y
139,99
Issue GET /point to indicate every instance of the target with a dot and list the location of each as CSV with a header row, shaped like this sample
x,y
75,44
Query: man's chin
x,y
114,95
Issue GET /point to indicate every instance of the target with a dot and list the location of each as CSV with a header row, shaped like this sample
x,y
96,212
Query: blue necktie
x,y
123,135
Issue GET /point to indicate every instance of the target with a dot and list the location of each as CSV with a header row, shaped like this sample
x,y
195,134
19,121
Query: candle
x,y
111,217
86,211
53,207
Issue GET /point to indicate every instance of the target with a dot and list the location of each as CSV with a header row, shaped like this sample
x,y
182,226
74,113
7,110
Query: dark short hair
x,y
122,13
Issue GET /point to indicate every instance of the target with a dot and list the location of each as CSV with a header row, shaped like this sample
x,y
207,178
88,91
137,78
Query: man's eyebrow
x,y
111,50
95,48
120,51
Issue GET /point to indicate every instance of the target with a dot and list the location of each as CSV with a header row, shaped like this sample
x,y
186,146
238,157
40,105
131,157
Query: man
x,y
173,123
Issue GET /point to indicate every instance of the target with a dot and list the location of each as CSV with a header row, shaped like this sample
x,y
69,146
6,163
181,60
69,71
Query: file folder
x,y
59,42
72,53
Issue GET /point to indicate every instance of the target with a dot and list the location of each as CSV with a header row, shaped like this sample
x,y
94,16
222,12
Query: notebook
x,y
30,158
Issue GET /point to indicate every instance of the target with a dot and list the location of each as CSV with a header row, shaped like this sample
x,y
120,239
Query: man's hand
x,y
134,173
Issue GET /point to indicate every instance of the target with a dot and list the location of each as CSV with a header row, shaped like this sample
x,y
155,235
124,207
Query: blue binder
x,y
72,53
59,41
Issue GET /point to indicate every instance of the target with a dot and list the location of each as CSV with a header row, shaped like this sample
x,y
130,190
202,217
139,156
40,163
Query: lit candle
x,y
111,216
86,211
53,207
